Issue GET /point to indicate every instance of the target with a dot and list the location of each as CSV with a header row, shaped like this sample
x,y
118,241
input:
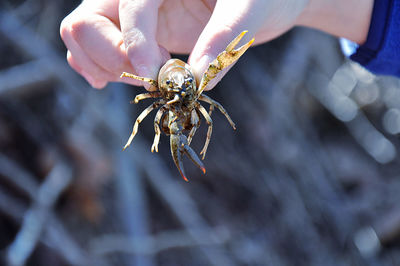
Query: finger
x,y
226,22
101,40
95,83
90,39
138,21
104,8
94,74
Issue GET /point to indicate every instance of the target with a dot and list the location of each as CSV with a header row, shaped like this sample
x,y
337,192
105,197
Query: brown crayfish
x,y
180,109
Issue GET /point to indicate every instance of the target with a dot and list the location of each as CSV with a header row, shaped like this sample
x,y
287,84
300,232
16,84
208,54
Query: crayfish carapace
x,y
180,109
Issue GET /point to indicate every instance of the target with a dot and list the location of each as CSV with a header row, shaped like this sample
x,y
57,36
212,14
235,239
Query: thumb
x,y
227,21
138,21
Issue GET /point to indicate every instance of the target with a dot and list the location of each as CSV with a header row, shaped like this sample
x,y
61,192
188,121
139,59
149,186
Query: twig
x,y
15,174
59,239
154,244
182,205
55,236
371,140
25,78
132,201
36,218
11,206
310,173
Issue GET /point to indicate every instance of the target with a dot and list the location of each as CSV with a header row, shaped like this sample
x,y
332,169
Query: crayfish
x,y
180,109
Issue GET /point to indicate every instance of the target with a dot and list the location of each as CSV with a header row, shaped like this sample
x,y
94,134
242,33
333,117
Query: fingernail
x,y
147,72
144,71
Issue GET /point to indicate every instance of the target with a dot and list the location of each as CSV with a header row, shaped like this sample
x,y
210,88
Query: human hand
x,y
106,37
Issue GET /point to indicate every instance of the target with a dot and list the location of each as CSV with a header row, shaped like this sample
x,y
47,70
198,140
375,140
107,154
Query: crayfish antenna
x,y
152,82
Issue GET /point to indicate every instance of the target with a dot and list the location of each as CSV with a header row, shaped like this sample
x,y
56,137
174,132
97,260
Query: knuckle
x,y
73,26
77,27
65,30
70,26
133,39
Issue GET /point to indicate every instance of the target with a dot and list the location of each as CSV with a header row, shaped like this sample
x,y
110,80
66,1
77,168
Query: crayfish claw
x,y
230,55
235,42
179,145
195,159
224,60
176,152
179,164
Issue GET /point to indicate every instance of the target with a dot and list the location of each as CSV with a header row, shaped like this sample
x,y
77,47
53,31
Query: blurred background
x,y
310,176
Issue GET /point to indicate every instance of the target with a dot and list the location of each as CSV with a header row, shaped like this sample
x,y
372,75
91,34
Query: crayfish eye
x,y
169,83
189,81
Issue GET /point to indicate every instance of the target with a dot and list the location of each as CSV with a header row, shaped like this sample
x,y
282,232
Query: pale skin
x,y
107,37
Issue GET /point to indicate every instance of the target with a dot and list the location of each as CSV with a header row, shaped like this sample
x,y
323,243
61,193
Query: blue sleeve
x,y
381,52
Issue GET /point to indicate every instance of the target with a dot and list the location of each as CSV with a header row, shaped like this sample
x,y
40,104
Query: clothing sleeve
x,y
381,52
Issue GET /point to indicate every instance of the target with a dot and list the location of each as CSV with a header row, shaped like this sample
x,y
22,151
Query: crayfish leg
x,y
140,119
147,95
157,130
209,121
195,123
213,103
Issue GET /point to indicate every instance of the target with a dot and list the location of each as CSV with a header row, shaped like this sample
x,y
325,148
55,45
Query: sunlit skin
x,y
107,37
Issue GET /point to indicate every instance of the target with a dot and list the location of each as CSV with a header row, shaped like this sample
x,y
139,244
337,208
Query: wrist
x,y
343,18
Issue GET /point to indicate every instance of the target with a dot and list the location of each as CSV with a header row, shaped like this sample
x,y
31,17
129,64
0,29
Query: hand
x,y
106,37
